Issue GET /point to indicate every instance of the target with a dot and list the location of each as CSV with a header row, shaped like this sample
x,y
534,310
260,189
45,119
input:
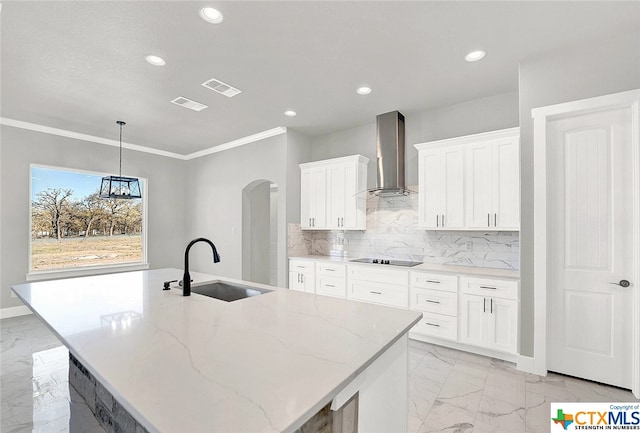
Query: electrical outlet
x,y
468,246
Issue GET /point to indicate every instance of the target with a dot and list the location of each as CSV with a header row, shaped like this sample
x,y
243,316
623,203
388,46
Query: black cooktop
x,y
387,262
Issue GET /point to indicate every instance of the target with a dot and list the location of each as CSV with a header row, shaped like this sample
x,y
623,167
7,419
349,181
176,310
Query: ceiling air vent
x,y
188,103
222,88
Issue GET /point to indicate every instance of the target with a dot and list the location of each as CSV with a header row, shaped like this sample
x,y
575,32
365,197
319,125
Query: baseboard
x,y
528,365
21,310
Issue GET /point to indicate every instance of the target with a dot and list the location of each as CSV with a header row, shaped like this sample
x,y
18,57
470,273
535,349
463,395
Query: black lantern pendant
x,y
120,186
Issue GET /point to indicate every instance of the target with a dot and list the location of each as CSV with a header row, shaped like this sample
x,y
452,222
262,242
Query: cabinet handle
x,y
491,305
442,220
302,278
342,221
432,324
488,287
314,221
484,305
437,220
495,218
432,302
329,285
375,293
488,221
329,270
309,222
433,281
298,277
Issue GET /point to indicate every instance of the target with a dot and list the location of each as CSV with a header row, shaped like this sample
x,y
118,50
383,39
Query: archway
x,y
260,232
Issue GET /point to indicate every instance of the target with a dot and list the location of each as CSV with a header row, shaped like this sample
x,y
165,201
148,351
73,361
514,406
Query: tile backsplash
x,y
392,233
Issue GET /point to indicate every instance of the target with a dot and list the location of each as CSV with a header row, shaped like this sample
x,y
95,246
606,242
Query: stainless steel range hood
x,y
390,154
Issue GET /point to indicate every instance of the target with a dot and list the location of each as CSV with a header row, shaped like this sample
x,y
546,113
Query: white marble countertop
x,y
197,364
449,269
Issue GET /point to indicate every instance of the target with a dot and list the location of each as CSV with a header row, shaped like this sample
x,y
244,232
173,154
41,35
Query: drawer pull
x,y
489,287
433,281
329,285
433,302
375,293
329,269
432,324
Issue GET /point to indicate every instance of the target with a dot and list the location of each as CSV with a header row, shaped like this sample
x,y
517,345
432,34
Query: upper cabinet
x,y
441,188
470,182
333,194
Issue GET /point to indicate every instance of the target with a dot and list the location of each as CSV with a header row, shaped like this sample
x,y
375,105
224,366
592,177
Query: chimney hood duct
x,y
390,155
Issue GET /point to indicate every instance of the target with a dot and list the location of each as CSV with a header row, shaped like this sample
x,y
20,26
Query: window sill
x,y
82,272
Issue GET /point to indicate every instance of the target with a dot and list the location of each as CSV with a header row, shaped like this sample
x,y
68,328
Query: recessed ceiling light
x,y
474,56
155,60
211,15
364,90
290,113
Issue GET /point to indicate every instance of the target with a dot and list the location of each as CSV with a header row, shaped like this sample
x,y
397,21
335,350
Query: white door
x,y
479,185
431,188
506,184
336,195
452,199
589,250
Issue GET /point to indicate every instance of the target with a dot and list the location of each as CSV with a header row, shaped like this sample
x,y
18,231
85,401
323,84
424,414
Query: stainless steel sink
x,y
227,291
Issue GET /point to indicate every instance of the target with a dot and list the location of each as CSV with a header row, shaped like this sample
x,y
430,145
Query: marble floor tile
x,y
449,390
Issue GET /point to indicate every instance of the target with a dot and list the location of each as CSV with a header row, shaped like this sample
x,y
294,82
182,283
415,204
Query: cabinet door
x,y
336,195
473,322
506,184
478,185
430,180
295,282
308,281
502,325
312,198
452,198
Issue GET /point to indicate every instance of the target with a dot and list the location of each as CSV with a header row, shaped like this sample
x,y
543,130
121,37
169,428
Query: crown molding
x,y
106,141
239,142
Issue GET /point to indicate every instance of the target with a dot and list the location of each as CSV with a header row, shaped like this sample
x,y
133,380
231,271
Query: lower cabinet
x,y
462,311
302,275
331,280
378,286
487,320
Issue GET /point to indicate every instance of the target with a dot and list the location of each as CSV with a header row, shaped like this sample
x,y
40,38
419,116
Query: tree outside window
x,y
72,227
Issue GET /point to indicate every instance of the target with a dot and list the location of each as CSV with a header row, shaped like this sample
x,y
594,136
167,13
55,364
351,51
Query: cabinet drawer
x,y
437,325
434,301
394,296
331,269
507,289
301,266
331,286
375,274
434,281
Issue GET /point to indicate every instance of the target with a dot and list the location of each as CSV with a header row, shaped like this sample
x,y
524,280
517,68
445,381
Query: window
x,y
72,228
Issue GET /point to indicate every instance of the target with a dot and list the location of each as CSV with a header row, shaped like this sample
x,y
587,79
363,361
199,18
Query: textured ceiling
x,y
80,66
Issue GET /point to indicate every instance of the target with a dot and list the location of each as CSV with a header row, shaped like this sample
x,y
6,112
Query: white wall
x,y
481,115
19,148
214,202
592,69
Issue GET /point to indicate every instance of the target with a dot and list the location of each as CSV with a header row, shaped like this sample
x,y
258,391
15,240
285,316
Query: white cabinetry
x,y
489,313
436,296
378,286
470,182
441,188
333,194
492,183
331,279
302,275
313,206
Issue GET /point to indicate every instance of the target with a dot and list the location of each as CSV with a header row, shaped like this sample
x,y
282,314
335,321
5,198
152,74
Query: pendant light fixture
x,y
119,186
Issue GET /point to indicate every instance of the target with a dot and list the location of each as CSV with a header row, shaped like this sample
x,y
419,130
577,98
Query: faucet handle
x,y
180,282
166,284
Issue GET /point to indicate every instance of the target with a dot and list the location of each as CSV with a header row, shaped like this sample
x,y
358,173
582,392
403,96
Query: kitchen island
x,y
268,363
